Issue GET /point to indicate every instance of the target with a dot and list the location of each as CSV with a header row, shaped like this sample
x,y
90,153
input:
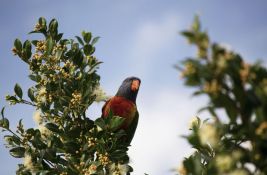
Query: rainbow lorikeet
x,y
123,104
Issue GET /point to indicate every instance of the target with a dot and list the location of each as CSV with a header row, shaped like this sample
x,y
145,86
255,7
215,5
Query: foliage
x,y
66,83
235,140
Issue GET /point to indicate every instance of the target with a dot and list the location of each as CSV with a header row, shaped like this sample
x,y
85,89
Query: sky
x,y
138,38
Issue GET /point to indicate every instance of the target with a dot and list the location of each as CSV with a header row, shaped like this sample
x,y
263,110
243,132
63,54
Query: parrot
x,y
123,104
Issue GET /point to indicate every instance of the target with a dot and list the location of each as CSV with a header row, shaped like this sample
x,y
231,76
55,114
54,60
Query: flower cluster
x,y
189,69
224,162
209,134
14,51
38,27
234,142
100,94
28,164
104,159
38,118
41,46
42,96
76,99
91,141
59,47
45,133
212,87
92,169
194,122
118,169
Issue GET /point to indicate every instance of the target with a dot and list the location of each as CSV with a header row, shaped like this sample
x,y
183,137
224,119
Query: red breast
x,y
120,106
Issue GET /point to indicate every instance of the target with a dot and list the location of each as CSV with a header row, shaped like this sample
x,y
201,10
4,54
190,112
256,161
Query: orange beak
x,y
135,85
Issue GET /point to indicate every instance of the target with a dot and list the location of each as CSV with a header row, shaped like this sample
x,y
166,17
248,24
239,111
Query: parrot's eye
x,y
135,85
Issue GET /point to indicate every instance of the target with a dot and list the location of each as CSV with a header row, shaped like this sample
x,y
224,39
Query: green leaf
x,y
80,40
93,50
27,45
95,40
37,141
59,54
71,146
74,46
118,154
75,132
18,44
49,45
189,35
53,25
8,139
59,36
42,21
5,123
193,164
78,58
27,48
200,92
116,122
11,99
31,131
57,142
94,67
87,49
17,152
52,127
63,161
35,78
11,139
18,91
31,94
87,36
34,42
228,104
2,112
20,124
196,24
16,140
100,122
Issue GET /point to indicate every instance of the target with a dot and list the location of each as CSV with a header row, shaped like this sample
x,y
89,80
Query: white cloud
x,y
151,38
157,146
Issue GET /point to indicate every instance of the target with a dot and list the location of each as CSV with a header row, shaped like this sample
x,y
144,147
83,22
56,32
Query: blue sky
x,y
137,38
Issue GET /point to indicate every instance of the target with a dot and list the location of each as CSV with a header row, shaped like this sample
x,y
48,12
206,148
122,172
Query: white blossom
x,y
37,117
42,91
224,162
44,131
100,94
43,99
120,169
208,135
193,122
28,162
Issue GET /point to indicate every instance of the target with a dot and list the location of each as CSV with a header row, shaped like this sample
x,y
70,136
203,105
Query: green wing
x,y
131,129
